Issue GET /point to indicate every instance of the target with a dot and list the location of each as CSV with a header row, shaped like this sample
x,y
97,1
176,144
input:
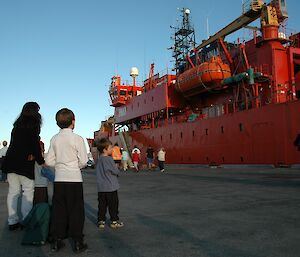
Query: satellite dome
x,y
134,72
187,11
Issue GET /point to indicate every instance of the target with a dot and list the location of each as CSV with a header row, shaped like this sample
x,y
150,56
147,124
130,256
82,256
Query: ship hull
x,y
257,136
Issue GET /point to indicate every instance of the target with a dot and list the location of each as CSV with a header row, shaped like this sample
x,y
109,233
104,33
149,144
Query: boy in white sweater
x,y
67,154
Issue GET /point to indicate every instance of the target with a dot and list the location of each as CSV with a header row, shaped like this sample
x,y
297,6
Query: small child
x,y
40,182
161,157
125,159
107,184
67,153
136,159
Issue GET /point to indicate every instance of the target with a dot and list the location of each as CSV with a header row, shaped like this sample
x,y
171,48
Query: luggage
x,y
37,225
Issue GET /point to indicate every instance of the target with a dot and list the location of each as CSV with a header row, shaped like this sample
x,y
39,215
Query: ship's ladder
x,y
125,144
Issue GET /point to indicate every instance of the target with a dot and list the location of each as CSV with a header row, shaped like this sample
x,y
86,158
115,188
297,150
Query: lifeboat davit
x,y
203,77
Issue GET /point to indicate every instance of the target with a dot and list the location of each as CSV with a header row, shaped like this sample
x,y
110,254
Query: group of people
x,y
121,157
67,155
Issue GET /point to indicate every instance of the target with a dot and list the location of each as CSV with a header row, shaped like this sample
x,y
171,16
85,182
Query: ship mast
x,y
184,41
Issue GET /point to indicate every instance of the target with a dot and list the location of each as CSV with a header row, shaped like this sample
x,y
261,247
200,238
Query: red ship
x,y
228,103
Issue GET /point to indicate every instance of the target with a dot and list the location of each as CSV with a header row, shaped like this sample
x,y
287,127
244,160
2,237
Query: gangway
x,y
126,146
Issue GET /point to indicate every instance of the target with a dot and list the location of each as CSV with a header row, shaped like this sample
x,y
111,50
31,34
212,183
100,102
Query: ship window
x,y
193,133
206,131
170,136
222,129
181,135
122,92
241,127
242,158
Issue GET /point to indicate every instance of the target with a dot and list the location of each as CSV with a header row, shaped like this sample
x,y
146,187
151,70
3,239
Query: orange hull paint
x,y
256,136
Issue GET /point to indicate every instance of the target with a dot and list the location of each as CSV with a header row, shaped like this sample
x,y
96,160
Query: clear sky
x,y
62,53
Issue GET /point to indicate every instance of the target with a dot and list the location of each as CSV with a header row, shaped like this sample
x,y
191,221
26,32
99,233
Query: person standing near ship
x,y
116,154
24,150
135,160
161,157
108,185
68,155
3,151
150,156
125,159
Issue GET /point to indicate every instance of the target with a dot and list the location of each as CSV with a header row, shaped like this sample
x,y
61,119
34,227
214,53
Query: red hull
x,y
257,136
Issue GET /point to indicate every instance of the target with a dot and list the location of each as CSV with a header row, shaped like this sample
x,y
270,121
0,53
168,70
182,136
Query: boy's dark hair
x,y
103,143
64,118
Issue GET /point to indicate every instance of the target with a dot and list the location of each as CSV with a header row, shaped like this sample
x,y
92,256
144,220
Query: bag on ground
x,y
37,225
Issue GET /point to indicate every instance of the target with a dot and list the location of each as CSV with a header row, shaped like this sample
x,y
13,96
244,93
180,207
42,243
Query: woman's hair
x,y
29,116
64,118
102,144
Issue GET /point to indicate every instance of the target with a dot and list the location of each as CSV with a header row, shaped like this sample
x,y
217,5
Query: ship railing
x,y
285,33
127,82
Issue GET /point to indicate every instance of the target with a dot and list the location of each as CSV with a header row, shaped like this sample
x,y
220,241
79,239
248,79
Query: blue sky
x,y
62,53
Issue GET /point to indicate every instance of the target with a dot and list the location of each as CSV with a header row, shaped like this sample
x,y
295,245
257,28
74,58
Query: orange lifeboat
x,y
203,77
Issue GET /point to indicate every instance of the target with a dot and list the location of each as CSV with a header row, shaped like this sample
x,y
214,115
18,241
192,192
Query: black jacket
x,y
24,142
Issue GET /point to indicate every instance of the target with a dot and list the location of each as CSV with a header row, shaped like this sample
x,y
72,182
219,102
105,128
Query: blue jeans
x,y
149,160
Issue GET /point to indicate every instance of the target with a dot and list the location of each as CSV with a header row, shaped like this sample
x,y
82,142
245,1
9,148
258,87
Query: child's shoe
x,y
116,224
79,246
101,224
57,245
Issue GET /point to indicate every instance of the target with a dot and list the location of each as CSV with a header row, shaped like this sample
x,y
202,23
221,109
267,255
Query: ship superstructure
x,y
228,103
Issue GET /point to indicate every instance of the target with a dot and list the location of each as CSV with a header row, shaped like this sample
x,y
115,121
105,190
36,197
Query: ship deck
x,y
189,211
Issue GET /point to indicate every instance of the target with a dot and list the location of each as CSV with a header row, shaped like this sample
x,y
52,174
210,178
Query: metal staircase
x,y
124,137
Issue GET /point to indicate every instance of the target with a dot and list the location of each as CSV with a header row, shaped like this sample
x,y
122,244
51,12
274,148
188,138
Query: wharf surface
x,y
187,212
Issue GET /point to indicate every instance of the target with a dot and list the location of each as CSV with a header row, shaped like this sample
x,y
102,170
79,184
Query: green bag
x,y
37,225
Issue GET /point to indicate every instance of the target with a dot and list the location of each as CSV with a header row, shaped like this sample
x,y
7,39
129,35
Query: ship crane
x,y
252,10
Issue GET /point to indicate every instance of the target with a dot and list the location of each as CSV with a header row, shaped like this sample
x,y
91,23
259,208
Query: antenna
x,y
184,40
207,28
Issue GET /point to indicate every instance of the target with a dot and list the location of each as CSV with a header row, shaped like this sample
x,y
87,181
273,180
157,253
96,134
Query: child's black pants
x,y
67,211
108,200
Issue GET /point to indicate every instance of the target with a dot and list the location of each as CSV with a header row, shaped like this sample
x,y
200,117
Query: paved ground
x,y
188,212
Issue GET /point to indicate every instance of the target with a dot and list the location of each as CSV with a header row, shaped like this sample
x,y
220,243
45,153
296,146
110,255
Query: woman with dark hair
x,y
23,151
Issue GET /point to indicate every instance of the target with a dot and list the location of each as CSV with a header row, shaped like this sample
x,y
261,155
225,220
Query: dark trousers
x,y
40,195
161,165
108,200
67,211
